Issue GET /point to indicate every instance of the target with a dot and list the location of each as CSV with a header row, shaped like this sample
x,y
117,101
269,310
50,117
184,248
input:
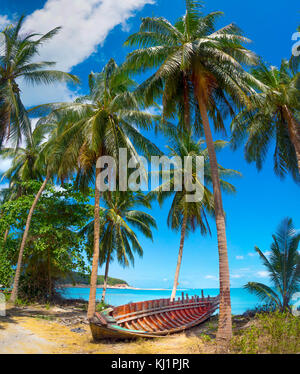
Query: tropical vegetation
x,y
282,264
55,221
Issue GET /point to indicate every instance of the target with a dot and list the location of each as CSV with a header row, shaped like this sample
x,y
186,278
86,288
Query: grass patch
x,y
274,332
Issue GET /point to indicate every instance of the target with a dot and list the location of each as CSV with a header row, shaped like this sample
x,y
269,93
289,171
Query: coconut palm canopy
x,y
272,118
18,52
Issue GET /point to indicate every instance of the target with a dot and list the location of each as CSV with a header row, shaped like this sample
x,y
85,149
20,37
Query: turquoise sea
x,y
241,299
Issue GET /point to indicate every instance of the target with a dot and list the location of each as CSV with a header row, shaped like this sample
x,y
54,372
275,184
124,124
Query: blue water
x,y
241,300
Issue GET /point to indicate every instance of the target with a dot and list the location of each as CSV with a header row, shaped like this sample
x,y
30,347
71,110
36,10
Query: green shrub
x,y
269,333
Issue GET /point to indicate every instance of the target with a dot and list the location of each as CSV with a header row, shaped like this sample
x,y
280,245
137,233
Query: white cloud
x,y
4,21
4,185
267,253
252,254
211,277
236,276
239,257
262,274
85,26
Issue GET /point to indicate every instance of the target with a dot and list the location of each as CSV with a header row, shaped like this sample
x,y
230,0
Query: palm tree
x,y
117,235
274,115
99,124
211,62
283,266
18,61
23,166
185,215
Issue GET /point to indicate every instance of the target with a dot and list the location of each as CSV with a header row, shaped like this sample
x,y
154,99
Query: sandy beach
x,y
36,329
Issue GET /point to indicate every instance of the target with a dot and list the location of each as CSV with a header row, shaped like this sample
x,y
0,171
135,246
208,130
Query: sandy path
x,y
14,338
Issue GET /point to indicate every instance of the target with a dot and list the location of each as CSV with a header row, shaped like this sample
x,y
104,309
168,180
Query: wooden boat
x,y
152,319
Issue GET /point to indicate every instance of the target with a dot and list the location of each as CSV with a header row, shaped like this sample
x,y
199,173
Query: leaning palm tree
x,y
18,54
211,61
273,116
46,163
184,214
96,125
118,238
23,166
283,266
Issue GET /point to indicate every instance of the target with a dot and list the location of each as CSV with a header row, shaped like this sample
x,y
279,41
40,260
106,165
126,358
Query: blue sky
x,y
93,31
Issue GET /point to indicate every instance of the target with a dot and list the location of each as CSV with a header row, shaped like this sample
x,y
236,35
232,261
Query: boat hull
x,y
152,319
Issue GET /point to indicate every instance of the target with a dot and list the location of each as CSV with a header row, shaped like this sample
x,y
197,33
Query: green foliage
x,y
100,306
55,246
6,270
18,53
119,224
269,119
283,266
192,51
98,124
275,333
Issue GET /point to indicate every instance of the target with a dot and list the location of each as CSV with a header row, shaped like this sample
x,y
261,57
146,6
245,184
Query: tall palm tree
x,y
99,124
18,54
274,115
185,215
120,219
283,266
212,63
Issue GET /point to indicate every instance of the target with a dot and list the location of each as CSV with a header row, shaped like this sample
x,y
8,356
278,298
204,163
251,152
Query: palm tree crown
x,y
283,267
119,220
273,116
17,61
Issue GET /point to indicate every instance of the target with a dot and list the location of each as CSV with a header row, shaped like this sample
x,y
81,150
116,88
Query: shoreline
x,y
119,287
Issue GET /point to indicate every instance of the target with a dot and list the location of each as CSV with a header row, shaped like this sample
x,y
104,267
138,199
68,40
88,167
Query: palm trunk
x,y
5,235
94,274
294,132
183,230
225,322
15,290
49,276
186,100
105,278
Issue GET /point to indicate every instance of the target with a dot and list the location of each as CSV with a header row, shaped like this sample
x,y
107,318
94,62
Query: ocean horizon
x,y
241,299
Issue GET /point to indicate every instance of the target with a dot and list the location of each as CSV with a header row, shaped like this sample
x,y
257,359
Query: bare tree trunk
x,y
183,230
294,132
105,278
186,100
15,290
5,235
94,275
225,322
49,276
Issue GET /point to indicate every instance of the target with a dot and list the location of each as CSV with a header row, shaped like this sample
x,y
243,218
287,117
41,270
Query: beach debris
x,y
78,330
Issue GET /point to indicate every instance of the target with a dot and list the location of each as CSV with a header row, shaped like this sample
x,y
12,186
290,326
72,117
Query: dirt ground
x,y
38,329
